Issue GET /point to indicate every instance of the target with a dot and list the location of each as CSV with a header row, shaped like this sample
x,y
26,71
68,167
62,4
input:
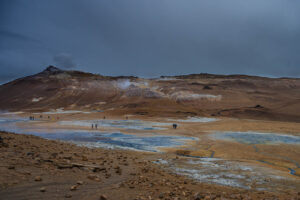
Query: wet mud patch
x,y
151,142
120,124
257,138
146,142
230,173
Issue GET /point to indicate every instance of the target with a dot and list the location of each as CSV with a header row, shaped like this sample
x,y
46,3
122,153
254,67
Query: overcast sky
x,y
150,37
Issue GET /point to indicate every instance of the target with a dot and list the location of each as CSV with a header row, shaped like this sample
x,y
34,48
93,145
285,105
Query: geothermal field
x,y
84,136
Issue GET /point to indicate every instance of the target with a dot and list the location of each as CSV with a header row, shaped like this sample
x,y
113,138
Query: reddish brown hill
x,y
197,94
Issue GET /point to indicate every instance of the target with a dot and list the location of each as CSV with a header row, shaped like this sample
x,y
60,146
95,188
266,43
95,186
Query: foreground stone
x,y
103,197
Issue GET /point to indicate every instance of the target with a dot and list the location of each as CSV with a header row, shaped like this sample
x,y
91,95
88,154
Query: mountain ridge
x,y
196,94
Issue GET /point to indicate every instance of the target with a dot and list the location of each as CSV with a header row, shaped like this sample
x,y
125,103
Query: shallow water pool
x,y
91,138
150,142
228,173
257,138
122,124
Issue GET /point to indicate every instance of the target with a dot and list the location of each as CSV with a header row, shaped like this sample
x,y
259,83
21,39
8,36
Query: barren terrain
x,y
237,137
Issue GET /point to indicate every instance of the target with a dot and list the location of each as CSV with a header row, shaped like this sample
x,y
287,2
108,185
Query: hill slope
x,y
198,94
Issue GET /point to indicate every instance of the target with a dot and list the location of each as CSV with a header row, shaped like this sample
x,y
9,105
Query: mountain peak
x,y
52,69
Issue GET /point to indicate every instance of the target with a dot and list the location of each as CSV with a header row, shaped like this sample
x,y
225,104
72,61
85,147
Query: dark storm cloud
x,y
150,38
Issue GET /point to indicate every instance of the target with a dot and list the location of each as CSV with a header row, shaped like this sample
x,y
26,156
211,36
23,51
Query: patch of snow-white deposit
x,y
184,96
195,119
62,111
36,99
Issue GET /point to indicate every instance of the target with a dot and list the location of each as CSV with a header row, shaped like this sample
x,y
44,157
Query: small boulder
x,y
73,187
258,106
198,196
93,177
161,195
207,197
79,183
37,178
84,158
42,189
206,87
103,197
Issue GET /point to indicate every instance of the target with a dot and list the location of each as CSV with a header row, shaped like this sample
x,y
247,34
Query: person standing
x,y
174,126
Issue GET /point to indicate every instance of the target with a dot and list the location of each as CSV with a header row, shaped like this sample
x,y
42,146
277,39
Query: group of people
x,y
41,116
31,117
95,125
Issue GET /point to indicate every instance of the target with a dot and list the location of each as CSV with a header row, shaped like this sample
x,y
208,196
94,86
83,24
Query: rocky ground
x,y
35,168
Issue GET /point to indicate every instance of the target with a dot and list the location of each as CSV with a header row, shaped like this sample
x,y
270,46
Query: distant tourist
x,y
92,126
96,126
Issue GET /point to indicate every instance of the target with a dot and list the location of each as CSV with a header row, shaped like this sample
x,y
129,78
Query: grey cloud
x,y
64,60
157,37
11,35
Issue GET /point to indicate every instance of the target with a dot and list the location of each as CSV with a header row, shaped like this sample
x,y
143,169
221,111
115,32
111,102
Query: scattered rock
x,y
11,167
119,171
107,175
73,187
68,196
68,157
206,87
161,195
98,169
198,196
84,158
30,154
64,166
42,189
93,177
258,106
37,178
2,143
79,183
103,197
54,155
